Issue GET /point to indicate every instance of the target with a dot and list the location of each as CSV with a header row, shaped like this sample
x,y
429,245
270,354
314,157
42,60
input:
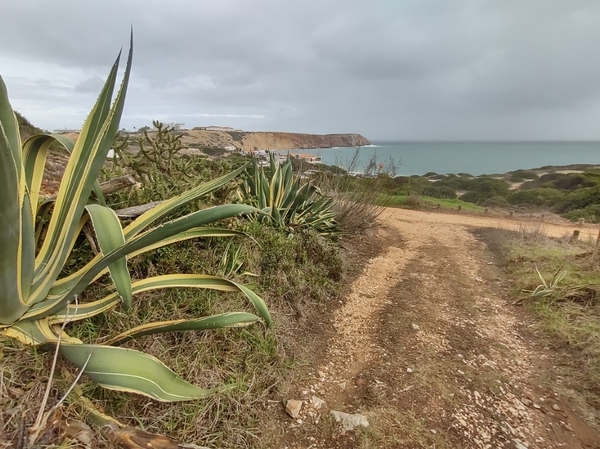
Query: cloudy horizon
x,y
389,70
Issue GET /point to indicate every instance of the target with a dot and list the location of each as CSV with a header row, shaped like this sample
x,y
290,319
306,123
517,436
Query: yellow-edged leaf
x,y
110,237
133,371
231,319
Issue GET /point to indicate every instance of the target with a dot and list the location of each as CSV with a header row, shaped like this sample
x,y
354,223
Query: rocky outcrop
x,y
252,141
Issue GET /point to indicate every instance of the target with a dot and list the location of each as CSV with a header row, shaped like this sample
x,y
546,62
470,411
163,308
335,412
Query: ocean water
x,y
476,158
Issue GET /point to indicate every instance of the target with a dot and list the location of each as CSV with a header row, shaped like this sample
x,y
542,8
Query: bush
x,y
549,198
522,175
580,199
574,181
413,202
564,181
591,214
481,189
496,201
442,192
357,202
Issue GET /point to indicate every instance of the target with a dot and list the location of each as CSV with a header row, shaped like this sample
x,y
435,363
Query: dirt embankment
x,y
252,141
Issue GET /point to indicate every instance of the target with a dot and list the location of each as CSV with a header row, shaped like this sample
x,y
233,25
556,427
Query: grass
x,y
567,318
393,428
430,202
296,273
299,273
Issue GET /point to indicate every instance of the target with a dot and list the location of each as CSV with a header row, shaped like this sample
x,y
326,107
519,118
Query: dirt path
x,y
428,350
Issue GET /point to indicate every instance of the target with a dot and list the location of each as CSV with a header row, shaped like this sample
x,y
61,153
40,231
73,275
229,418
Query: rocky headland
x,y
253,141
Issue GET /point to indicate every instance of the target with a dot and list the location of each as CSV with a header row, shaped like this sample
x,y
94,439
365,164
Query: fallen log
x,y
116,184
136,211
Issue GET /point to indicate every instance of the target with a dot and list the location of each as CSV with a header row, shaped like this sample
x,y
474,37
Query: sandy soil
x,y
430,351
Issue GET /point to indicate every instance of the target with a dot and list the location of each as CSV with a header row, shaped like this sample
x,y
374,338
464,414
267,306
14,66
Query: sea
x,y
475,158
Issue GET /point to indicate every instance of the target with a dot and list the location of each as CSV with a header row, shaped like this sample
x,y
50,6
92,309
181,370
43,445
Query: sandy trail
x,y
427,348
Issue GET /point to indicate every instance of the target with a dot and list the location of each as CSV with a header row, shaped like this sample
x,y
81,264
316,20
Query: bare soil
x,y
428,347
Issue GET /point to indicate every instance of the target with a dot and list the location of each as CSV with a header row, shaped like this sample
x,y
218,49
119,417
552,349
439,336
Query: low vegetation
x,y
557,282
287,202
104,298
573,195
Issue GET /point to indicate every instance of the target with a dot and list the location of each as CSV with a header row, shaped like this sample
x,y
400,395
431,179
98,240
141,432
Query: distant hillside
x,y
251,141
26,127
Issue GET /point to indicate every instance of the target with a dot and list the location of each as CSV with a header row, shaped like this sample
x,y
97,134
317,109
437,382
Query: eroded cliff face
x,y
252,141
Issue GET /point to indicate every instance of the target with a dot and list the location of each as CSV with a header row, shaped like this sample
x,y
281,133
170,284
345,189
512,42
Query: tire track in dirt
x,y
426,347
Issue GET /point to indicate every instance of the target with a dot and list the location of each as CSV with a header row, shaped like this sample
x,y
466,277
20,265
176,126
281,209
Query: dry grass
x,y
567,319
298,274
402,429
357,202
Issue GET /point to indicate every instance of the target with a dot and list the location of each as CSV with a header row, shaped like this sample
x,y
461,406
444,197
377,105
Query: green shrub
x,y
564,181
543,197
522,175
580,199
496,201
591,214
442,192
481,189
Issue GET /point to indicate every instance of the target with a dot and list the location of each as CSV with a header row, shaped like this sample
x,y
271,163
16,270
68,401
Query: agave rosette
x,y
35,301
286,201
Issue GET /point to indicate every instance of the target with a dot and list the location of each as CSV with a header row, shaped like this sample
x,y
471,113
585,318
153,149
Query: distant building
x,y
217,128
313,159
67,131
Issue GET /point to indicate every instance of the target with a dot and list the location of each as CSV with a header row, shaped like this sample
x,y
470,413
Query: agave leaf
x,y
35,150
76,312
202,281
148,238
36,333
231,319
16,267
87,310
123,369
166,207
80,176
110,237
64,285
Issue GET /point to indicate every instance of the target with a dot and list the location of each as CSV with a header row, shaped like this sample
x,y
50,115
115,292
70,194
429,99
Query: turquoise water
x,y
476,158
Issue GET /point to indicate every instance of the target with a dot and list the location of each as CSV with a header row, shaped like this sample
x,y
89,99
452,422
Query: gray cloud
x,y
427,69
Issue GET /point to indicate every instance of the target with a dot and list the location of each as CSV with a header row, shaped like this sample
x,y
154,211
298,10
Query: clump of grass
x,y
357,202
392,428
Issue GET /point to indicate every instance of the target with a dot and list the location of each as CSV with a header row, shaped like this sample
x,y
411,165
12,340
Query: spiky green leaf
x,y
133,371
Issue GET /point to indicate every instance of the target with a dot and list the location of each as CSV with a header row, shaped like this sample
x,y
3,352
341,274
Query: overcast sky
x,y
388,69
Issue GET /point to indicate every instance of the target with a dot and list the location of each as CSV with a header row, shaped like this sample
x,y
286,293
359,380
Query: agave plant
x,y
287,202
36,300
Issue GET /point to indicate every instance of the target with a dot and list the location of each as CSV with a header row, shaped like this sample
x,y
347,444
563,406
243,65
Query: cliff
x,y
251,141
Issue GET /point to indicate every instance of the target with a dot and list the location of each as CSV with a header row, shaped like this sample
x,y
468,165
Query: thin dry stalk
x,y
42,417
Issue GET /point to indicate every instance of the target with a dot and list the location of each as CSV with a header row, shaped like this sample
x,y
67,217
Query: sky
x,y
387,69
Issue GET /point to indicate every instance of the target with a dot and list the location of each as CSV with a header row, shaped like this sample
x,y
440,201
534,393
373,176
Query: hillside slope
x,y
252,141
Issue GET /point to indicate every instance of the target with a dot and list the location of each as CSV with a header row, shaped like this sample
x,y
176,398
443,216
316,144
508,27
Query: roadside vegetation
x,y
190,243
557,281
572,192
